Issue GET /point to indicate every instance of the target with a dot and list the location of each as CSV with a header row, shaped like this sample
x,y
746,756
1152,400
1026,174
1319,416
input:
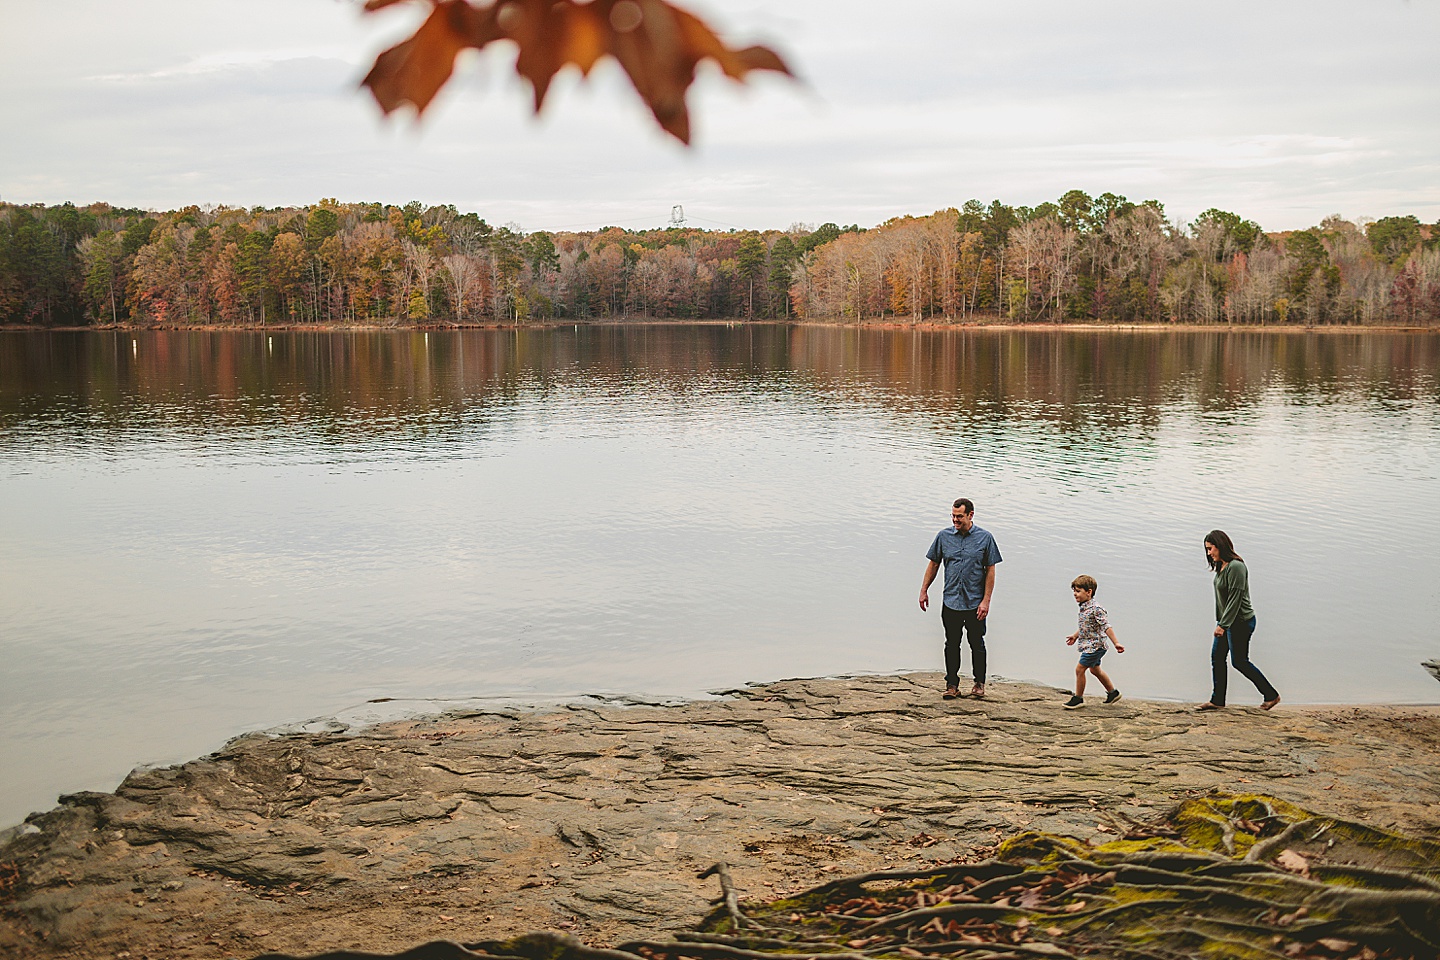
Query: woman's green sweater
x,y
1232,594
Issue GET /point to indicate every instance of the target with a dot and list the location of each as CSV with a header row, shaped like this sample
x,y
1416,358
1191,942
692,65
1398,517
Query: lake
x,y
206,533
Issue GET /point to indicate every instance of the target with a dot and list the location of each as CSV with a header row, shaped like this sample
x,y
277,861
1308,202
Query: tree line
x,y
1080,258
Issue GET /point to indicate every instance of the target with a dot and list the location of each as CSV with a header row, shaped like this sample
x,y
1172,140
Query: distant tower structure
x,y
677,216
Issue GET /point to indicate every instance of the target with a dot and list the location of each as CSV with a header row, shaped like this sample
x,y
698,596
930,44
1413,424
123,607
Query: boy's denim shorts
x,y
1091,659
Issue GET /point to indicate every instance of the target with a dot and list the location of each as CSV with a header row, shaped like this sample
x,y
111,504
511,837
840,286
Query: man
x,y
970,555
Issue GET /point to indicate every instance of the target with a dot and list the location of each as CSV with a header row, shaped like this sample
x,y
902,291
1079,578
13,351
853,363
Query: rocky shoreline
x,y
596,819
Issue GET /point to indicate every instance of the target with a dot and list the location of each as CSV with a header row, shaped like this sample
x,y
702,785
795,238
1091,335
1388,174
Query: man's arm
x,y
983,610
930,572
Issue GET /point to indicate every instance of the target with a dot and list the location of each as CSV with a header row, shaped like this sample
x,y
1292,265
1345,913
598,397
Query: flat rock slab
x,y
596,819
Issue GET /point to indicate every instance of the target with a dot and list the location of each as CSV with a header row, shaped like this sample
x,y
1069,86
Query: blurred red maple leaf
x,y
658,44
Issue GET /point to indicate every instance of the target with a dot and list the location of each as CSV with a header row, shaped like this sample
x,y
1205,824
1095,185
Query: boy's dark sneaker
x,y
1074,702
1113,695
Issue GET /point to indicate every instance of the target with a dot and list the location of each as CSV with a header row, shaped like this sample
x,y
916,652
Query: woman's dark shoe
x,y
1074,702
1113,695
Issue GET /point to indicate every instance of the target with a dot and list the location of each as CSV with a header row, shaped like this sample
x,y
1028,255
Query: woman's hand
x,y
1219,630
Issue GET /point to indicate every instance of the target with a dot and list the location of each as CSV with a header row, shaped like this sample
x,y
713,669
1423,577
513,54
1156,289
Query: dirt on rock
x,y
597,819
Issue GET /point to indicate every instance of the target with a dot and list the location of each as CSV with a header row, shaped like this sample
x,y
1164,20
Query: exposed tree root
x,y
728,895
1202,883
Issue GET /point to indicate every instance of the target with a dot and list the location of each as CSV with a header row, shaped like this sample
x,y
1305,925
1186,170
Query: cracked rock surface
x,y
596,820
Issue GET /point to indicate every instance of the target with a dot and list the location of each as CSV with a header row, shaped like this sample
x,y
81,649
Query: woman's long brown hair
x,y
1222,543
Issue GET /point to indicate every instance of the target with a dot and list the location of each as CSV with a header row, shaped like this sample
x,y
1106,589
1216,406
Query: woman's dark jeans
x,y
1235,643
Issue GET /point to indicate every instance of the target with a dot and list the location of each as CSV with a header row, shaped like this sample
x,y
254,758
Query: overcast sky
x,y
1284,112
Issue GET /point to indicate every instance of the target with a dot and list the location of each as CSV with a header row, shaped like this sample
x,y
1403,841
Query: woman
x,y
1234,622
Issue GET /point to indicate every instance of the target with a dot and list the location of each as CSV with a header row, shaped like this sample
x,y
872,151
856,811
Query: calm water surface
x,y
206,533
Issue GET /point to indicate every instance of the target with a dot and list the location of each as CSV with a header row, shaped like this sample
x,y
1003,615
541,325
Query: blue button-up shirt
x,y
966,556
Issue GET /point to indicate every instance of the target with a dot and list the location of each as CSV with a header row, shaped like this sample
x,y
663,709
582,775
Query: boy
x,y
1094,628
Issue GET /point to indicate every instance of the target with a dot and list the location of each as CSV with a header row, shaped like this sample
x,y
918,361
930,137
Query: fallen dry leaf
x,y
658,45
1294,862
1031,898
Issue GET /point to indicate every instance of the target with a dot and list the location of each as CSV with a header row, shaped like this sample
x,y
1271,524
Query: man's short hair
x,y
1084,582
964,504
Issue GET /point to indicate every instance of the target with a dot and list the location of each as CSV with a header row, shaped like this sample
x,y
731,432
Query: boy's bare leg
x,y
1102,677
1079,681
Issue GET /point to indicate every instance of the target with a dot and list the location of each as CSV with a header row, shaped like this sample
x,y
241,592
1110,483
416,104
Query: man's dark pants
x,y
957,622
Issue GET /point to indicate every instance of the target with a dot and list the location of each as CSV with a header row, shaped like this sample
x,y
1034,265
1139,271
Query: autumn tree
x,y
1041,268
1393,237
287,262
37,251
750,265
783,257
506,261
252,267
540,252
100,259
1416,290
1075,211
1312,277
418,268
158,283
1240,233
384,264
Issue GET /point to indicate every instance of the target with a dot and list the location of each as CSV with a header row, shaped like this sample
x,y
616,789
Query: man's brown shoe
x,y
1270,704
1208,705
950,693
978,691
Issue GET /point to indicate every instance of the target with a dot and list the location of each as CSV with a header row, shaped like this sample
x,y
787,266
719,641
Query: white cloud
x,y
225,62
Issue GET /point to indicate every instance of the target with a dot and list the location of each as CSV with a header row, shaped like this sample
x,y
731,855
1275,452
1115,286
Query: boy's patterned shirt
x,y
1094,621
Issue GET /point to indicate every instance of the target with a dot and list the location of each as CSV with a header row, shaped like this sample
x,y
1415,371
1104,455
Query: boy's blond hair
x,y
1085,582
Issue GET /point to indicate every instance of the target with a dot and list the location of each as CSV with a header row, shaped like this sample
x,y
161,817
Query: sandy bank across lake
x,y
597,819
